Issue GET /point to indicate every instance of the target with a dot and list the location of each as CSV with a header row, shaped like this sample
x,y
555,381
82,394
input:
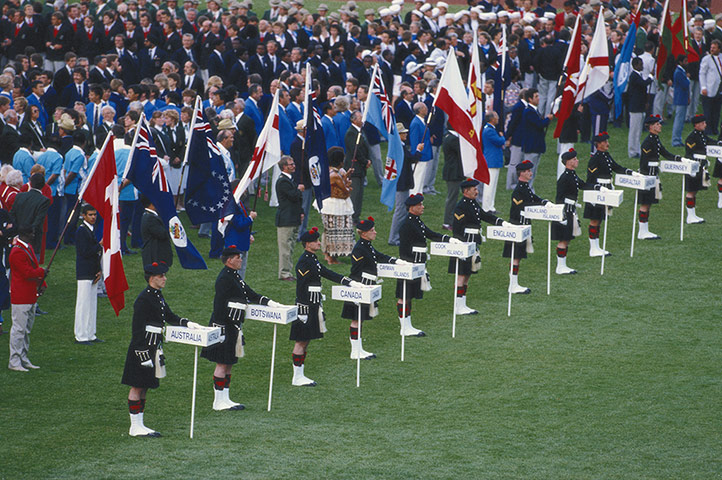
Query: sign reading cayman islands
x,y
458,250
684,167
550,212
610,198
409,271
282,315
515,233
199,337
637,182
365,295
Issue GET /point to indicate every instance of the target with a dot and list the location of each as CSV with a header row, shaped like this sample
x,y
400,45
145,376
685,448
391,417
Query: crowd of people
x,y
74,73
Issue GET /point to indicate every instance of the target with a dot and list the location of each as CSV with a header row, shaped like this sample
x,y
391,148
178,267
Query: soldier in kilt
x,y
144,362
695,147
232,296
521,197
599,175
310,323
466,227
364,258
652,149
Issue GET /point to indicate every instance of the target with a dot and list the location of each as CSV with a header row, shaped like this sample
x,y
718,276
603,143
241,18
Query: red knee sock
x,y
400,309
515,270
227,380
219,383
354,333
298,359
461,290
561,252
691,202
593,232
643,217
135,406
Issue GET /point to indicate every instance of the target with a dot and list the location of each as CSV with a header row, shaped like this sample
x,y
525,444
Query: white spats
x,y
595,250
358,351
407,330
221,401
137,429
692,217
514,286
562,268
644,233
299,379
462,308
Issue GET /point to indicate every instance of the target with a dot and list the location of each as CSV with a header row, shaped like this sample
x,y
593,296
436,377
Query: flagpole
x,y
77,202
132,145
260,178
185,155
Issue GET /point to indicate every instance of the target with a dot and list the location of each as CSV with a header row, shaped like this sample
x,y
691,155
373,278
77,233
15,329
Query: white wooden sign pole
x,y
282,315
607,198
198,337
455,250
683,167
636,182
514,234
403,272
365,295
550,213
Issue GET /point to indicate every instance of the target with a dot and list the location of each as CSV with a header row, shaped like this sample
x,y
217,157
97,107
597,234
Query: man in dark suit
x,y
64,76
185,53
288,216
358,159
156,239
88,274
218,64
10,138
533,124
191,79
404,107
77,91
246,139
58,40
151,57
30,209
637,95
111,28
18,35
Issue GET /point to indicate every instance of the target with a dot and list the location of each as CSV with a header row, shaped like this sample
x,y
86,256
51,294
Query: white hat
x,y
529,28
458,15
366,53
529,17
502,13
477,10
430,62
416,12
395,9
397,2
411,67
442,5
435,12
384,12
542,20
709,24
425,7
549,15
515,15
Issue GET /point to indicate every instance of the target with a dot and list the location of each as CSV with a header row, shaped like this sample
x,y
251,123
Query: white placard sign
x,y
458,250
515,233
199,337
410,271
551,212
684,167
714,151
637,182
282,315
365,295
610,198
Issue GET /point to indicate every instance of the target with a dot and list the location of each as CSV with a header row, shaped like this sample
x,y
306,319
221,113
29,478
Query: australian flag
x,y
148,176
315,164
208,190
380,114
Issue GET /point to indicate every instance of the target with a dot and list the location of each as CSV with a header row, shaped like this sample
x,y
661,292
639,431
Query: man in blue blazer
x,y
418,133
533,126
255,92
493,143
329,128
35,99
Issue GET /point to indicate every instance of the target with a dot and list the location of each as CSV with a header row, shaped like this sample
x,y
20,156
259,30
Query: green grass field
x,y
614,376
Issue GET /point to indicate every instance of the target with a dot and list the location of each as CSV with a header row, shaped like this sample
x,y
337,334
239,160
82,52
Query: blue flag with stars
x,y
208,189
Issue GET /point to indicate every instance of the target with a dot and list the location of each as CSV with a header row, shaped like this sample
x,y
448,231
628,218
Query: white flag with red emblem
x,y
452,98
596,69
101,191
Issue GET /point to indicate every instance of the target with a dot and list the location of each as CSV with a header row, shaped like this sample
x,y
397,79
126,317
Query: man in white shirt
x,y
710,78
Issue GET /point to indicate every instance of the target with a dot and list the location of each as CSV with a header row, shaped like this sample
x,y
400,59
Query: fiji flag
x,y
146,173
379,113
315,163
208,189
622,69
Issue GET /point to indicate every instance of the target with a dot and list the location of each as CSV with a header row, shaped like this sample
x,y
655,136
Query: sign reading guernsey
x,y
410,271
714,150
610,198
458,250
515,233
637,182
550,212
365,295
684,167
282,315
199,337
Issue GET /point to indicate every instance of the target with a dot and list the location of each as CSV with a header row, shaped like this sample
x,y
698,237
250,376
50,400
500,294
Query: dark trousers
x,y
136,240
54,213
69,204
711,107
357,196
131,212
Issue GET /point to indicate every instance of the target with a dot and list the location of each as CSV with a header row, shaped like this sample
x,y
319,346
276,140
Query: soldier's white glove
x,y
303,318
194,325
273,304
506,224
454,240
603,189
636,174
402,262
147,364
356,284
685,159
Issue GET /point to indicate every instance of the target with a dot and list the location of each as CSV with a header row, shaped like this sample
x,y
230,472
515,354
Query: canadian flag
x,y
101,191
596,69
267,152
452,98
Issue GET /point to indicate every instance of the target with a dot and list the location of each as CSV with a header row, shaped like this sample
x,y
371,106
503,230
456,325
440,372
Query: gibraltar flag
x,y
101,191
452,98
596,69
267,152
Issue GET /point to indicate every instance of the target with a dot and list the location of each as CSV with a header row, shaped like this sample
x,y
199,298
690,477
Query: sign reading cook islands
x,y
515,233
458,250
550,212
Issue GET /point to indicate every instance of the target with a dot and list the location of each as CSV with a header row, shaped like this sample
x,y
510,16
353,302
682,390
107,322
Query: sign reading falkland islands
x,y
551,212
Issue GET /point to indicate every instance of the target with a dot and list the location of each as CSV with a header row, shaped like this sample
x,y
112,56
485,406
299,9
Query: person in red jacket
x,y
25,276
